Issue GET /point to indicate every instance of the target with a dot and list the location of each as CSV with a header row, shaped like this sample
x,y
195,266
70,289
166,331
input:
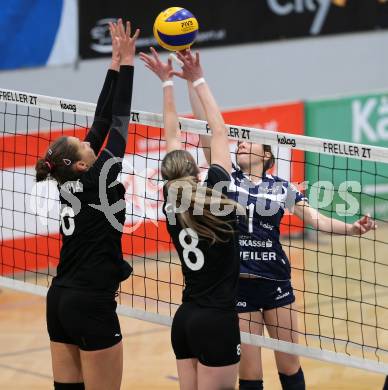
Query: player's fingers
x,y
357,227
182,57
169,62
155,54
143,58
136,35
147,62
128,28
120,28
197,58
113,28
145,55
149,67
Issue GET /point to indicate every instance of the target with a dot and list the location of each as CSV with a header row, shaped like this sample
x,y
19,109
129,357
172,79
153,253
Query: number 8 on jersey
x,y
191,248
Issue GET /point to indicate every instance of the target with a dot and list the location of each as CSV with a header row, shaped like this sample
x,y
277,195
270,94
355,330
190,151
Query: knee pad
x,y
69,386
293,382
250,385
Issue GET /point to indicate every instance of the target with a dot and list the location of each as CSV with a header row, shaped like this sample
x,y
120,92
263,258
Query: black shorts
x,y
210,335
256,294
87,319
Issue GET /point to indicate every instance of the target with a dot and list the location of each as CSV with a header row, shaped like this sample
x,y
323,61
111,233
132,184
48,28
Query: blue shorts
x,y
256,294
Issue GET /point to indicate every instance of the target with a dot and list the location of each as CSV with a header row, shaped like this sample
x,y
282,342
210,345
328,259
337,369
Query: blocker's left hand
x,y
155,64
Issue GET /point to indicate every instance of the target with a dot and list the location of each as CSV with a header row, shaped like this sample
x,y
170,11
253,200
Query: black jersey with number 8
x,y
210,271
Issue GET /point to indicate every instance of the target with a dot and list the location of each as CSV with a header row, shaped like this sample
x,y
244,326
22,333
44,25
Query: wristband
x,y
198,82
167,83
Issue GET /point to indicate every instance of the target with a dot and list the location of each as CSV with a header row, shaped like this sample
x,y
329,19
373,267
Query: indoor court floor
x,y
148,359
341,290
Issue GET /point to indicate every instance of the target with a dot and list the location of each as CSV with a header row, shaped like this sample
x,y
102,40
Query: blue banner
x,y
38,33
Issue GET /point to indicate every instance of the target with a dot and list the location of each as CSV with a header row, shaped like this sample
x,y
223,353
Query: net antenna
x,y
340,282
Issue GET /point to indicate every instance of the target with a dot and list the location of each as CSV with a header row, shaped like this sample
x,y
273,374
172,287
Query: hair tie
x,y
49,165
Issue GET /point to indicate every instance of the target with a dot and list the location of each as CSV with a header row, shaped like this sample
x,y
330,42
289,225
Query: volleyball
x,y
175,29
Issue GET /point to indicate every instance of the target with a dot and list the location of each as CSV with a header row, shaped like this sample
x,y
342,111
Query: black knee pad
x,y
293,382
250,385
69,386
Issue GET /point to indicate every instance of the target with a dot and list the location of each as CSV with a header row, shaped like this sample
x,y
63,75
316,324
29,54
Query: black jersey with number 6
x,y
210,271
93,207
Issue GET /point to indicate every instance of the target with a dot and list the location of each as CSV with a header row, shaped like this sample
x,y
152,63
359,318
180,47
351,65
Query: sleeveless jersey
x,y
261,253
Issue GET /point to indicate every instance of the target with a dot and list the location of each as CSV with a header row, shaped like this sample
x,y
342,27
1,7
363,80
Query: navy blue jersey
x,y
261,253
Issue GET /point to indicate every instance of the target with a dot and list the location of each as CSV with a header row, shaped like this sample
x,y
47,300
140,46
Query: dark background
x,y
231,21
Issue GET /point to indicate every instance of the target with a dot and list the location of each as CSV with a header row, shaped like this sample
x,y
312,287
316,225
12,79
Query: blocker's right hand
x,y
154,63
126,43
191,69
115,64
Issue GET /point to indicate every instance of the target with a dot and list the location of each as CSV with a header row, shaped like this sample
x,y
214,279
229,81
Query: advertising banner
x,y
38,33
34,242
233,21
358,119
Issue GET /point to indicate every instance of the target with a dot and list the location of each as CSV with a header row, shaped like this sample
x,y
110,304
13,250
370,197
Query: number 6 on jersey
x,y
68,213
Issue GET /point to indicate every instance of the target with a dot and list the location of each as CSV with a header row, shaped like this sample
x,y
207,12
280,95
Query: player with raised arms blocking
x,y
265,294
82,323
205,333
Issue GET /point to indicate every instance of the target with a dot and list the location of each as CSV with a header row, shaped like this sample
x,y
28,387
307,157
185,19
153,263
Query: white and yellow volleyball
x,y
175,29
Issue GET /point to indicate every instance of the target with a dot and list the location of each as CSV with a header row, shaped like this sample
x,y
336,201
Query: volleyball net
x,y
340,282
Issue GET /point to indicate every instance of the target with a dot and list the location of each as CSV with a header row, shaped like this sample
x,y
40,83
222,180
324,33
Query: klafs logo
x,y
69,107
370,120
286,141
319,7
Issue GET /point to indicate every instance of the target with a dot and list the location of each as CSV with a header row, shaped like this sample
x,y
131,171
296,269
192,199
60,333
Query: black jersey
x,y
93,207
210,271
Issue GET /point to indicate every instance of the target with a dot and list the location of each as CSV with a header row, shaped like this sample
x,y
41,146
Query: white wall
x,y
240,75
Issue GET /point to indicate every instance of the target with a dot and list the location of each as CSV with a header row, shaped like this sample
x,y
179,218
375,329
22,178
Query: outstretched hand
x,y
115,65
126,43
154,63
191,69
363,225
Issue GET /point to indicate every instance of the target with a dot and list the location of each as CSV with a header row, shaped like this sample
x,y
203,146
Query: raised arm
x,y
121,107
170,116
219,143
199,113
320,222
103,114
